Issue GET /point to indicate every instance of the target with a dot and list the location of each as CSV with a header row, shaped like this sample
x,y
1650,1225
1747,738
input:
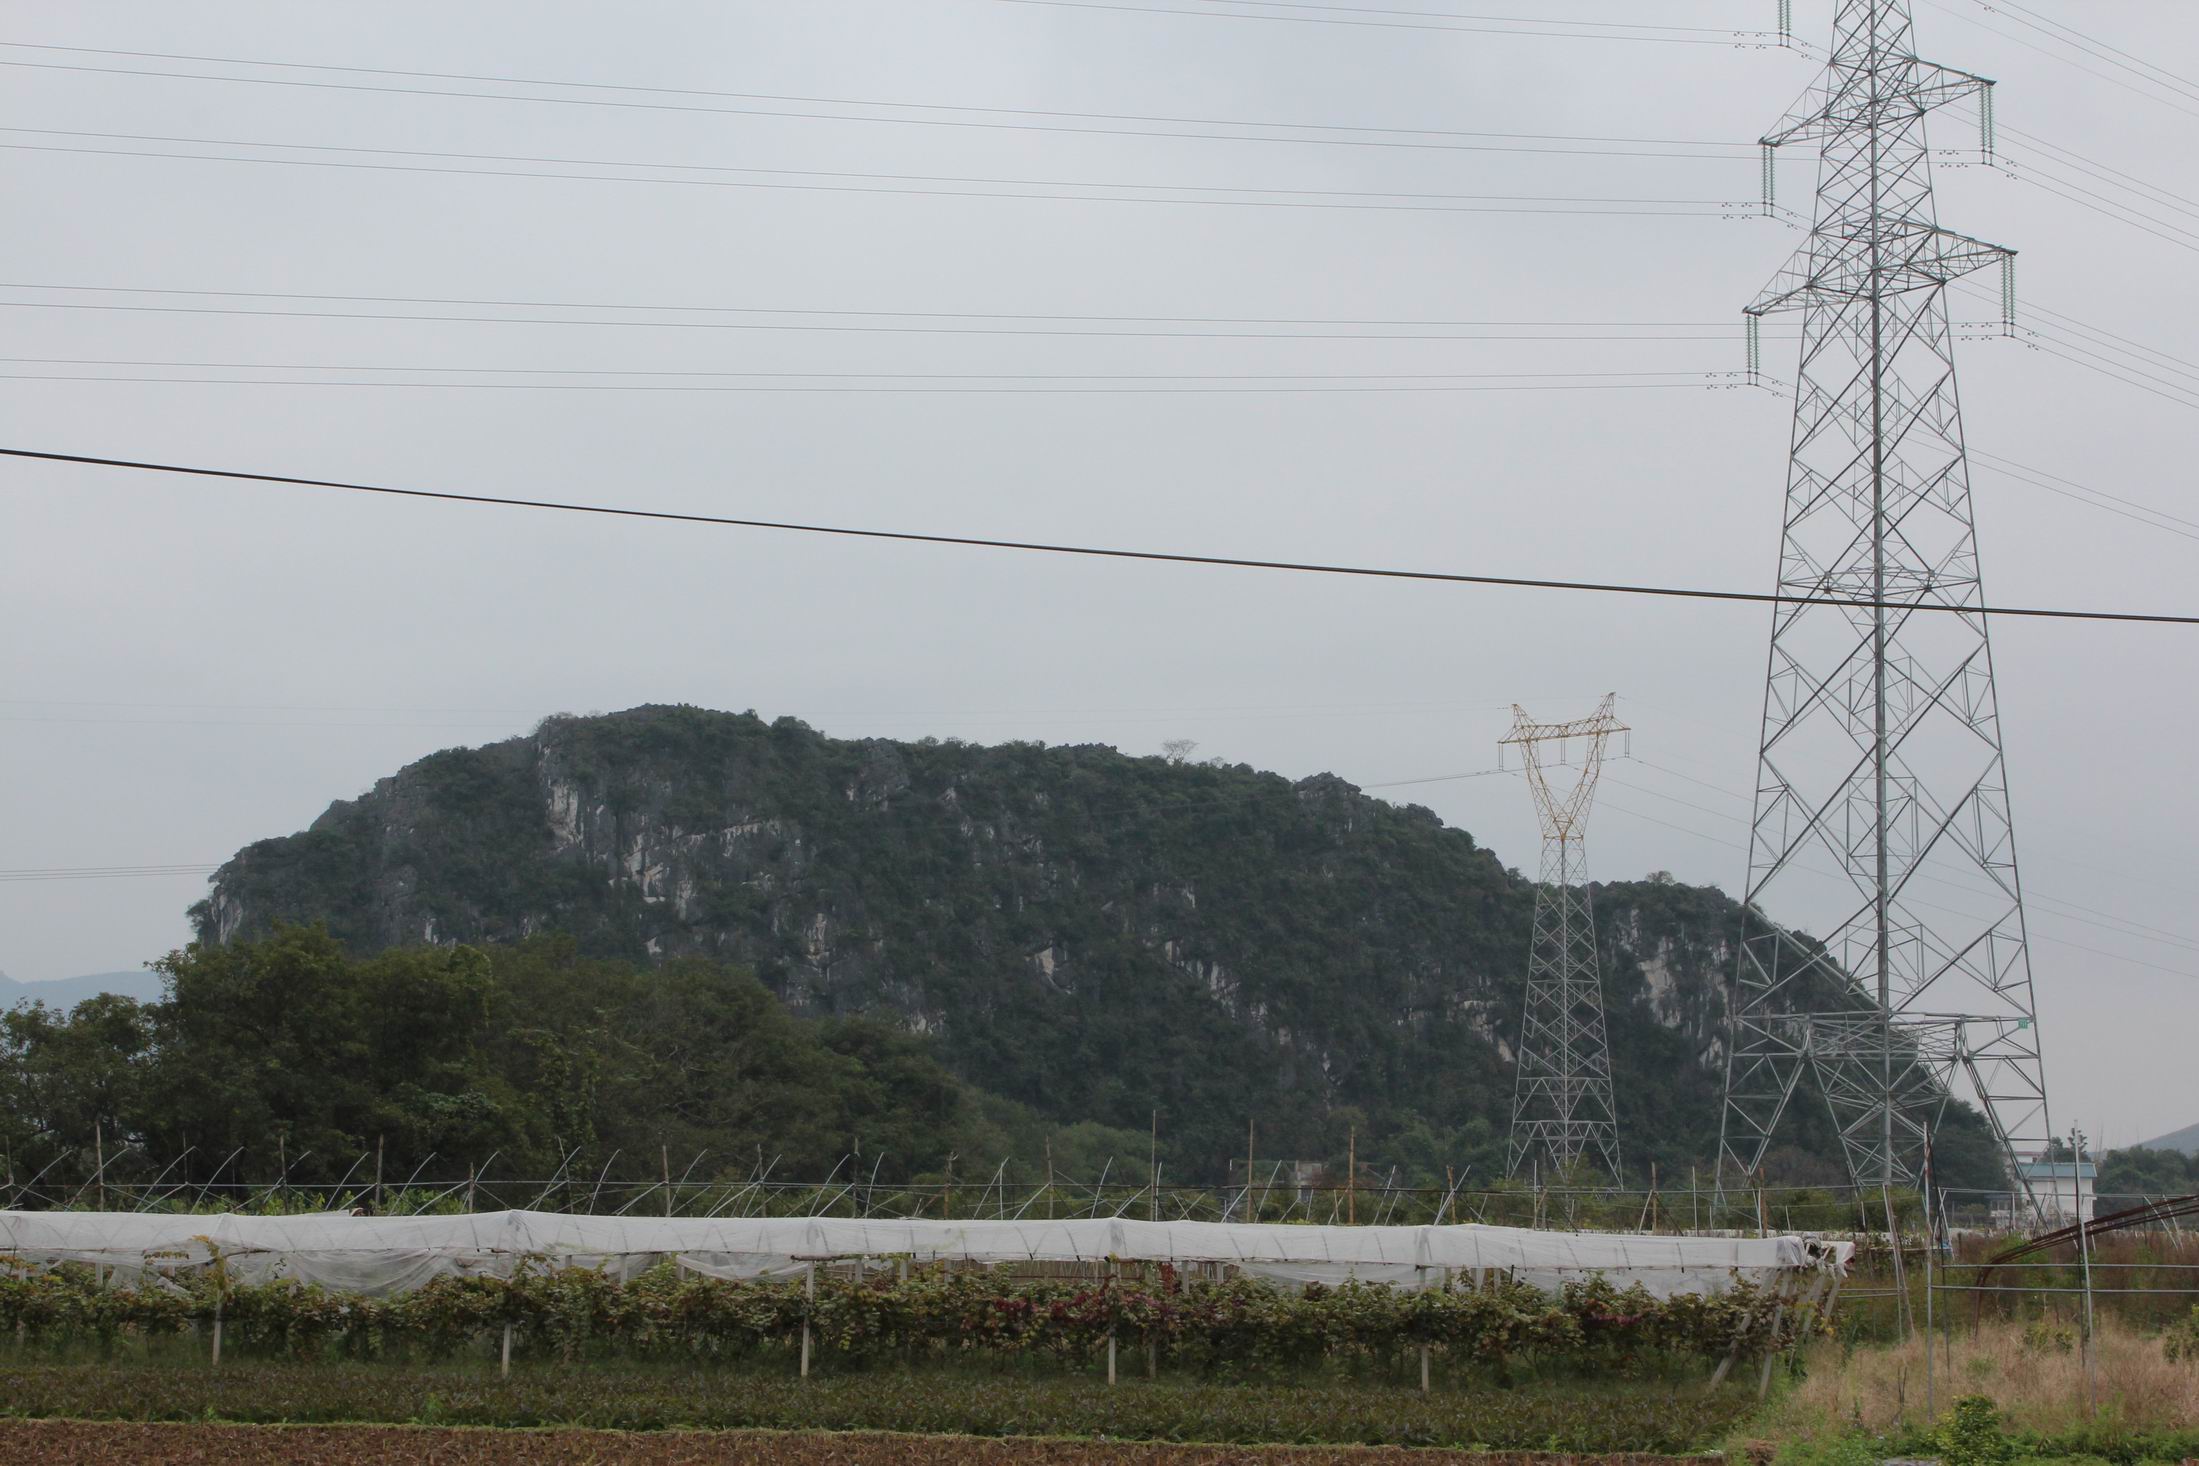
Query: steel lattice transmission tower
x,y
1882,814
1562,1106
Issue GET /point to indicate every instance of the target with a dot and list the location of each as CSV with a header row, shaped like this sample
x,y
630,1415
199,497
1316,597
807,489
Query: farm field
x,y
1596,1418
90,1443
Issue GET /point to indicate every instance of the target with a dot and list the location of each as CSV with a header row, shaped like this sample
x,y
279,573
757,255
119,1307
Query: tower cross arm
x,y
1840,103
1915,256
1603,722
1938,86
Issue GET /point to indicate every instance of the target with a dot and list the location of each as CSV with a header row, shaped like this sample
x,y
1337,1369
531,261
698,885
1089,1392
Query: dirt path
x,y
106,1443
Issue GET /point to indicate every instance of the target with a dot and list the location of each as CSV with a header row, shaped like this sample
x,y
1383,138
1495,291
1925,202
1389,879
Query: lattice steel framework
x,y
1562,1108
1882,812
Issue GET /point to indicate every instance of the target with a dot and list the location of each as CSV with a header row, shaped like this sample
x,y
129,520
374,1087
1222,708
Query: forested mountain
x,y
2184,1141
1083,933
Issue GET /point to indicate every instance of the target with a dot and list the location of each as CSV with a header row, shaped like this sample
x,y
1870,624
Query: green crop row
x,y
1238,1327
1605,1418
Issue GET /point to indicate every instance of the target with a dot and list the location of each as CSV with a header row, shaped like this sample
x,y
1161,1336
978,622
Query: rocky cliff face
x,y
1091,933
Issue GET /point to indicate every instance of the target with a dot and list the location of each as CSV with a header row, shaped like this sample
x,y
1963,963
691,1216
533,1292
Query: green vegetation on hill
x,y
2126,1175
288,1048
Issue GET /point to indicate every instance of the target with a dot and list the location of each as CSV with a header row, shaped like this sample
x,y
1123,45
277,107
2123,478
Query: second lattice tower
x,y
1563,1112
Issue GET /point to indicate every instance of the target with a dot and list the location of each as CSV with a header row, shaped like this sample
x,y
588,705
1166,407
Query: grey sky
x,y
198,664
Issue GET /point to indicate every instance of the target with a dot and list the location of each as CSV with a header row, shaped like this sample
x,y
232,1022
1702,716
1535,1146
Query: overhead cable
x,y
1425,21
1771,598
779,179
1360,135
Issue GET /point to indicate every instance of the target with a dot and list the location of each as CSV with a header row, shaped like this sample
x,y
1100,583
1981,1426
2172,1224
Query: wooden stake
x,y
377,1175
217,1331
665,1153
1351,1176
99,1160
504,1358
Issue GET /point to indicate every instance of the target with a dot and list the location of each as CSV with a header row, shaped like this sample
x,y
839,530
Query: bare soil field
x,y
107,1443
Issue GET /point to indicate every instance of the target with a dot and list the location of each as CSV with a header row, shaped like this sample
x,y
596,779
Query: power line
x,y
1727,333
1156,556
854,183
1116,814
105,873
2006,466
2151,96
1695,381
719,111
1728,329
831,376
2023,476
2107,920
1392,137
2041,936
2103,336
2099,50
1561,24
1354,16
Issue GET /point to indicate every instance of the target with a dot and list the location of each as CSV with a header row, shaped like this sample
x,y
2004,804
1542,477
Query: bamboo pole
x,y
2084,1253
809,1300
1351,1176
1771,1346
1900,1265
664,1154
1155,1210
1250,1202
1114,1271
1931,1393
504,1355
378,1175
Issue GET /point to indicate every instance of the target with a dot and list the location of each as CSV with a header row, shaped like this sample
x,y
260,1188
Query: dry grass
x,y
2037,1388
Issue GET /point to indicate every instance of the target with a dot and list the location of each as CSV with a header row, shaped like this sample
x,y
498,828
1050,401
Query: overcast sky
x,y
194,664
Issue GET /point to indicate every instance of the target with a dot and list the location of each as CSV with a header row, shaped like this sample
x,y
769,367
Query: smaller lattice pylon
x,y
1563,1112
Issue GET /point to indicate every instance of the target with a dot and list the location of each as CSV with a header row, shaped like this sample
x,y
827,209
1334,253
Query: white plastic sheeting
x,y
382,1255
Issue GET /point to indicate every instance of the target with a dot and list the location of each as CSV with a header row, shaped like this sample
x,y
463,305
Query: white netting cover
x,y
381,1255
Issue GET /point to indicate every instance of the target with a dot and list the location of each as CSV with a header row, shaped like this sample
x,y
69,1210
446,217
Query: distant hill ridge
x,y
67,992
1090,933
2185,1140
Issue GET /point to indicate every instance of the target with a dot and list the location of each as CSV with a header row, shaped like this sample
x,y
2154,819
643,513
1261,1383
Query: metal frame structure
x,y
1882,810
1562,1102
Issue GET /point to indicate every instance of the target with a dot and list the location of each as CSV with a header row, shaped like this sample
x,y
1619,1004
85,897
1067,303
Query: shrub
x,y
2182,1340
1972,1435
2048,1337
